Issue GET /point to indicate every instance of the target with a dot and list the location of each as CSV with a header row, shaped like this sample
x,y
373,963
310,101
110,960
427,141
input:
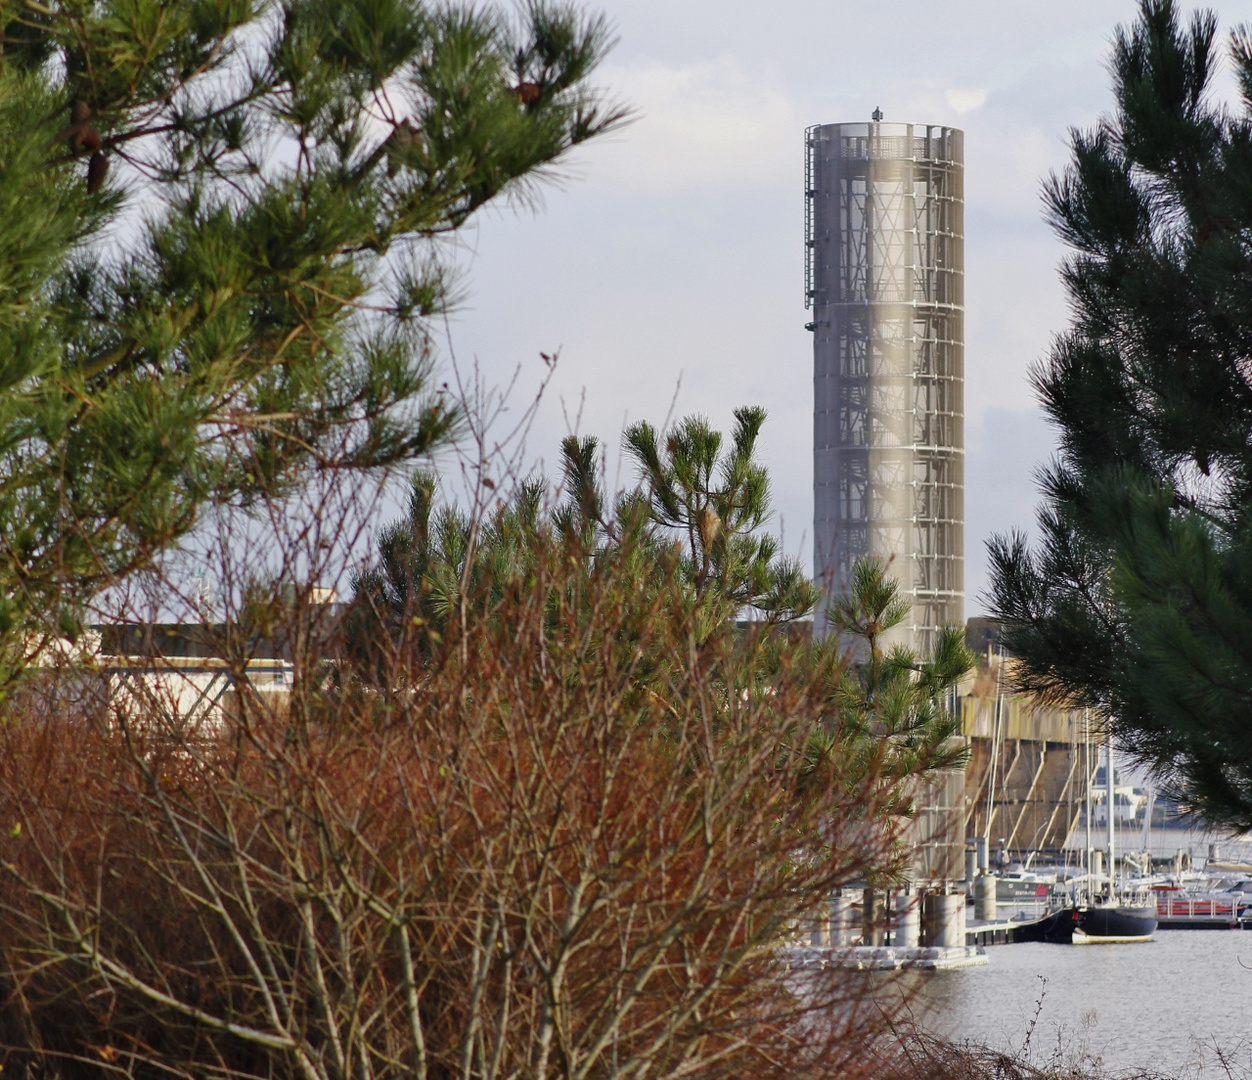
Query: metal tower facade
x,y
885,280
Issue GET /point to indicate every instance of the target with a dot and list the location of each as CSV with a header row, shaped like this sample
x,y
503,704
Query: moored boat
x,y
1021,884
1214,908
1097,912
1091,924
1055,927
1109,923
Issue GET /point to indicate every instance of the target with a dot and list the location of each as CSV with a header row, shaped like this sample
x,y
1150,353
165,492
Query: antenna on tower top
x,y
877,114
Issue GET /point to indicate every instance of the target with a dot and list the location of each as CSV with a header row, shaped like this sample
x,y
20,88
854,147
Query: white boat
x,y
1022,884
1214,905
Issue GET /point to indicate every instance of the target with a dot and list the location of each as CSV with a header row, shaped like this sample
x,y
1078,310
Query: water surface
x,y
1167,1006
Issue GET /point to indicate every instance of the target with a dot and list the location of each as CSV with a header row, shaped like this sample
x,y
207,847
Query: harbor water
x,y
1177,1006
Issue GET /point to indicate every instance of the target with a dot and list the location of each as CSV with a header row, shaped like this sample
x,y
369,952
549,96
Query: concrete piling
x,y
985,897
844,918
872,917
943,920
819,933
907,920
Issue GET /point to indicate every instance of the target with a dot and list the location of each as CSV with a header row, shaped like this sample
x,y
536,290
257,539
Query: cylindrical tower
x,y
885,279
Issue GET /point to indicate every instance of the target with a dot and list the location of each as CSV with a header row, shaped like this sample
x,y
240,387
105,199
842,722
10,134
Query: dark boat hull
x,y
1055,927
1097,925
1091,925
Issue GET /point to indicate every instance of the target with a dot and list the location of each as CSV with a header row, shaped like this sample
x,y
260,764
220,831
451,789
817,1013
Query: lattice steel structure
x,y
884,222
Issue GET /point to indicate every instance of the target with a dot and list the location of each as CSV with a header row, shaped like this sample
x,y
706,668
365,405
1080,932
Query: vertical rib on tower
x,y
885,279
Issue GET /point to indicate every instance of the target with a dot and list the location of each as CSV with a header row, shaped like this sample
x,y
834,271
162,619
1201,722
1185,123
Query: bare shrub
x,y
920,1056
566,842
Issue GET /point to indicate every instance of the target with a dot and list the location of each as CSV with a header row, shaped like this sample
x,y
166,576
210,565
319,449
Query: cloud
x,y
965,101
700,124
1003,450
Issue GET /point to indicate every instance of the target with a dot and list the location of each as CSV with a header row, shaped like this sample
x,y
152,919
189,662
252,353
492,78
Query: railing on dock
x,y
1177,910
1228,906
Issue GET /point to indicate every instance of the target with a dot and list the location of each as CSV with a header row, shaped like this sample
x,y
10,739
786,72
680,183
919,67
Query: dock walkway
x,y
884,957
990,932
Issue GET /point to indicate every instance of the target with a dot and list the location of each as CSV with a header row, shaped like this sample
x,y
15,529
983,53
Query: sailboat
x,y
1097,913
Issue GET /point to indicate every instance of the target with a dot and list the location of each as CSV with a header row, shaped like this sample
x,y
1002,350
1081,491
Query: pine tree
x,y
219,230
693,528
438,572
893,702
715,499
1138,600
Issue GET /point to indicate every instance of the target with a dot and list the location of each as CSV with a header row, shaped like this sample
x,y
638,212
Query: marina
x,y
911,926
1191,913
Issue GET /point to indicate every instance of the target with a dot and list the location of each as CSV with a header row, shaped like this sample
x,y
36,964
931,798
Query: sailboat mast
x,y
1111,794
995,754
1086,788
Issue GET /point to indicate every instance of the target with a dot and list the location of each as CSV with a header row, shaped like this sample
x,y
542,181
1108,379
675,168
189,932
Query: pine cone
x,y
527,92
82,135
97,170
710,526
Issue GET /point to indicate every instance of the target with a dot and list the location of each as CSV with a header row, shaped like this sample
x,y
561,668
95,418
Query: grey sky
x,y
671,258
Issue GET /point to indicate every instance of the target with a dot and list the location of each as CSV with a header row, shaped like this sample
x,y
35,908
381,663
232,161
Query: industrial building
x,y
884,236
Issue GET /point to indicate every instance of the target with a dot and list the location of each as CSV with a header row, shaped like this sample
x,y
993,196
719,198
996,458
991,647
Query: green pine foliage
x,y
219,237
893,702
685,543
715,499
1137,601
691,528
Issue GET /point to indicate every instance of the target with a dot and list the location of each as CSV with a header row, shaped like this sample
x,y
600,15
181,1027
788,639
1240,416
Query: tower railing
x,y
811,160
